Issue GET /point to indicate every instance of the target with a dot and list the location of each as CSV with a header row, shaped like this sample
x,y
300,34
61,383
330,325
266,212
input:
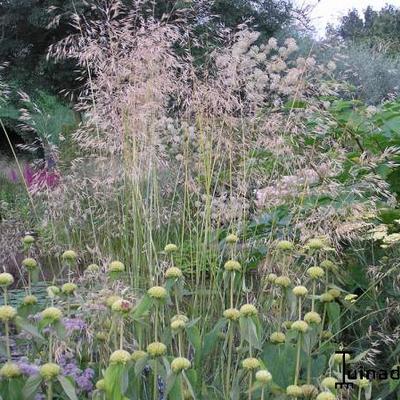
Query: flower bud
x,y
300,291
309,391
69,256
294,391
285,245
271,278
232,238
29,263
248,310
282,281
156,349
232,314
173,273
170,248
120,357
101,385
315,272
335,293
326,298
326,396
122,306
157,292
277,337
52,313
329,382
30,300
232,266
116,266
68,288
263,376
7,313
28,240
300,326
312,317
6,279
49,371
10,370
138,355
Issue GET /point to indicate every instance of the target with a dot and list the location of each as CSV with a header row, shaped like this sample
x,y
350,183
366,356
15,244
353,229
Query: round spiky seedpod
x,y
116,266
68,288
92,268
138,355
294,391
326,396
112,299
315,244
248,310
101,385
170,248
173,273
69,256
232,314
6,279
157,292
10,370
232,239
271,277
179,364
315,272
122,306
329,382
29,263
337,358
362,383
49,371
285,245
328,265
309,391
335,293
312,317
120,357
277,337
7,313
282,281
53,291
232,266
326,298
30,300
156,349
28,240
300,291
263,376
300,326
250,363
52,313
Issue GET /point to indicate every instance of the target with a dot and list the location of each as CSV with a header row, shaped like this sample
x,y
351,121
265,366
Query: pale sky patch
x,y
330,11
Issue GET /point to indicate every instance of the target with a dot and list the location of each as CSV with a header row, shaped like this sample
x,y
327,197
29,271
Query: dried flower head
x,y
285,245
282,281
294,391
122,306
6,279
7,313
170,248
29,263
69,255
49,371
232,266
173,273
232,239
263,376
309,391
326,396
28,240
138,355
52,313
157,292
10,370
179,364
156,349
312,317
300,291
277,337
30,300
300,326
248,310
329,382
315,272
250,363
116,266
120,357
232,314
68,288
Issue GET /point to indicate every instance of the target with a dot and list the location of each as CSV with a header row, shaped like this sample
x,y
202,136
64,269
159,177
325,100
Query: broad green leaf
x,y
68,387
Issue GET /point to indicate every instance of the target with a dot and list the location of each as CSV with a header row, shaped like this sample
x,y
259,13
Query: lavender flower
x,y
74,324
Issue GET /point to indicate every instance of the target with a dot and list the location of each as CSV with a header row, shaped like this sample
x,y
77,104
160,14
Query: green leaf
x,y
31,387
27,327
68,387
143,306
211,337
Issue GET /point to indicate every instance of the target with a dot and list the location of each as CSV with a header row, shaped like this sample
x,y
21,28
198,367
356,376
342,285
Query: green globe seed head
x,y
110,300
28,240
6,279
326,396
101,385
138,355
232,266
10,370
68,288
362,383
300,291
326,335
7,313
294,391
52,313
282,281
335,293
173,273
116,266
157,292
69,255
338,358
250,363
326,297
263,376
122,306
327,265
329,382
315,244
271,277
170,248
49,371
248,310
232,239
285,245
30,300
315,272
156,349
232,314
120,357
29,263
312,317
53,291
179,364
300,326
178,325
309,391
277,337
92,268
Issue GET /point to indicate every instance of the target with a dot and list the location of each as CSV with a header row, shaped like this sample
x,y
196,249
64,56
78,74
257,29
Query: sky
x,y
328,11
